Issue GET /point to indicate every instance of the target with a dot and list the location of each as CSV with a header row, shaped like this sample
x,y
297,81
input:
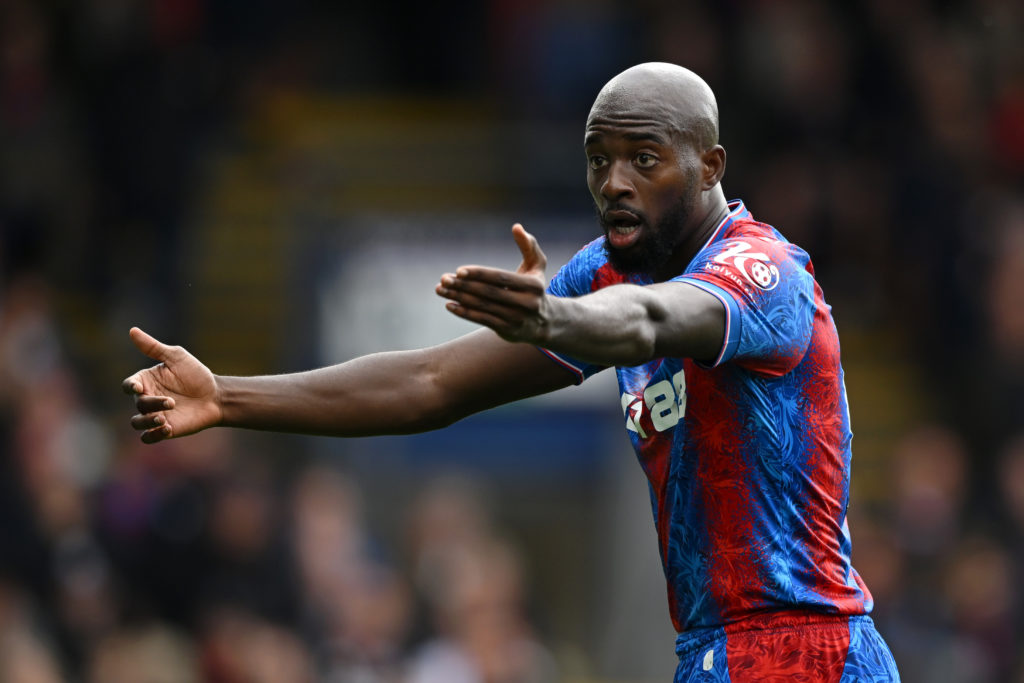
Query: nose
x,y
617,183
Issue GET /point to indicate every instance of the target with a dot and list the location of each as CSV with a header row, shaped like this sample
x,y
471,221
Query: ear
x,y
713,166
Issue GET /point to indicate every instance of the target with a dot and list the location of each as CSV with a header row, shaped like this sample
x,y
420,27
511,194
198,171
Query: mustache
x,y
602,216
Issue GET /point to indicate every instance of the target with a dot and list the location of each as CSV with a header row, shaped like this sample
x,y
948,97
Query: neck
x,y
693,240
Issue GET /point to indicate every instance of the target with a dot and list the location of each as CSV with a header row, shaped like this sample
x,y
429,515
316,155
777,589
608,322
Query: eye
x,y
596,161
645,160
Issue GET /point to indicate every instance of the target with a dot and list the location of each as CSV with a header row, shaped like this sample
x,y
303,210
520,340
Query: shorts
x,y
787,647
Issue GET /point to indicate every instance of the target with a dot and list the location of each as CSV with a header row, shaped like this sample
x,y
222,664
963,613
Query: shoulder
x,y
754,252
591,256
763,235
586,271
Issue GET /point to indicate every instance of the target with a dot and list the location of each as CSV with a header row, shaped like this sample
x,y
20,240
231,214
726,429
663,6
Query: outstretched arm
x,y
618,325
386,393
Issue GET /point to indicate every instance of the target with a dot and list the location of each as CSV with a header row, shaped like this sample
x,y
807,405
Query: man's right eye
x,y
596,161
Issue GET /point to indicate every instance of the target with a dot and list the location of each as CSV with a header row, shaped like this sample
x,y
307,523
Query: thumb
x,y
149,345
533,258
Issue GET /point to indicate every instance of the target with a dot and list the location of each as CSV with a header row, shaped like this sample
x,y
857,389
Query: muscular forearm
x,y
613,326
384,393
398,392
628,324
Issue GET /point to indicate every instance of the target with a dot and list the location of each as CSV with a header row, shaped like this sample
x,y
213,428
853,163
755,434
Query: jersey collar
x,y
737,211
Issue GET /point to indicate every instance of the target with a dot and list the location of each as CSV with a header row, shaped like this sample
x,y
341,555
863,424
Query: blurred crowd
x,y
885,137
200,561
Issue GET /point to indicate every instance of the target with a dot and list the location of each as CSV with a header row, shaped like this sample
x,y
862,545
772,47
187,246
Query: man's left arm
x,y
619,325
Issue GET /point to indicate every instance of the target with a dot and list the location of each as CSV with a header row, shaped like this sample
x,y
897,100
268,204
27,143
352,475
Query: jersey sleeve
x,y
768,295
573,279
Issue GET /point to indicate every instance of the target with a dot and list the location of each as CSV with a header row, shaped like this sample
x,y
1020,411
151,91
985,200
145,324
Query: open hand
x,y
174,398
513,304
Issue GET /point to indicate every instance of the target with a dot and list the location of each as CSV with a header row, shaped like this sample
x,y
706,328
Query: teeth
x,y
626,229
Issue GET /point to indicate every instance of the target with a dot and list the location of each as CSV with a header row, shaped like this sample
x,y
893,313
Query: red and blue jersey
x,y
747,455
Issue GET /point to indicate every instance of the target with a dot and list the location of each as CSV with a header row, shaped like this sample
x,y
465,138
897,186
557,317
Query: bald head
x,y
663,93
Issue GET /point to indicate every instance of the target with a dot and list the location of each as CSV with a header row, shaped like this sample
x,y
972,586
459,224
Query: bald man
x,y
730,383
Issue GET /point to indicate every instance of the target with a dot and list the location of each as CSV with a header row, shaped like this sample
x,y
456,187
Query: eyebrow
x,y
637,136
646,135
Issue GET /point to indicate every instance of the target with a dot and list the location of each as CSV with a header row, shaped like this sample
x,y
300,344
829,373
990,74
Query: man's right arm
x,y
397,392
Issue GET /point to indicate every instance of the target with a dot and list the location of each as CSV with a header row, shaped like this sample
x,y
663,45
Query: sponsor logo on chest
x,y
664,403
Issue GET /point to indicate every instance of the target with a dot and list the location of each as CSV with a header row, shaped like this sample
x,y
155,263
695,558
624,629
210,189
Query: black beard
x,y
656,245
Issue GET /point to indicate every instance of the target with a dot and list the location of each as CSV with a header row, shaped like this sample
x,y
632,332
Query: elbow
x,y
429,405
423,414
427,418
642,337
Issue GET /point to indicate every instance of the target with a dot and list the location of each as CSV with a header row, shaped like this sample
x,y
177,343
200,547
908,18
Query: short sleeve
x,y
574,279
768,295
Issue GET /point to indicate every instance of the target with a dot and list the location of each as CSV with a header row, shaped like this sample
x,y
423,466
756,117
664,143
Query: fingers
x,y
154,425
512,313
145,421
132,385
158,434
534,259
499,325
150,420
507,302
528,277
153,404
149,345
476,293
145,403
507,315
503,279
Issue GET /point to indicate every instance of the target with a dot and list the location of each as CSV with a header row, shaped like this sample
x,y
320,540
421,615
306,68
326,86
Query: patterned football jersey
x,y
747,455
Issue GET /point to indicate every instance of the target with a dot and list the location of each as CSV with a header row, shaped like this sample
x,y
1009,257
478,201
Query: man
x,y
728,364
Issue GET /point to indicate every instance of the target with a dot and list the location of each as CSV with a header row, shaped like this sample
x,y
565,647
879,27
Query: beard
x,y
656,244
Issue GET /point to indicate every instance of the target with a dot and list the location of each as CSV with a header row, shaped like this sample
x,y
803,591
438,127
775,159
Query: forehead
x,y
631,118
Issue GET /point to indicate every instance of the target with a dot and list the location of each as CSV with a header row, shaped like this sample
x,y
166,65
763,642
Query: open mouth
x,y
623,228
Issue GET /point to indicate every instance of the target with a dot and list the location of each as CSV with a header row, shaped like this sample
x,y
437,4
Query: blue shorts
x,y
801,647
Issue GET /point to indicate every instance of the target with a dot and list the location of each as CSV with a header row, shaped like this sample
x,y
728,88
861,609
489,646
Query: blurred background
x,y
278,186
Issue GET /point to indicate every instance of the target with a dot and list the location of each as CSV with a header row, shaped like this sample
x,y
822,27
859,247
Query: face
x,y
644,184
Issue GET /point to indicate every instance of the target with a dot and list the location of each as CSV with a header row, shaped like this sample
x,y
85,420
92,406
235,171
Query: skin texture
x,y
653,165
